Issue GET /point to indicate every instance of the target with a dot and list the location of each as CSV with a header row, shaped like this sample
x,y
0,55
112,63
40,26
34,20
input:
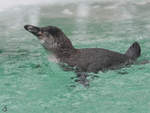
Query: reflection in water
x,y
83,10
34,16
82,14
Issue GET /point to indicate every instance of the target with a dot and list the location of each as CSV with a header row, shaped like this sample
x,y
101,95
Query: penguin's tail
x,y
134,51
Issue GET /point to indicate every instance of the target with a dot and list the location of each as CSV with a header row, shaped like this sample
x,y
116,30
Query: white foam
x,y
112,6
67,11
5,4
143,2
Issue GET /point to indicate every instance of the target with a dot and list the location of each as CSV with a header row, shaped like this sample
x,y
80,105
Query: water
x,y
31,84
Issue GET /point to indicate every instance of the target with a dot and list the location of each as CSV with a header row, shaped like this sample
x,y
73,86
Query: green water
x,y
31,84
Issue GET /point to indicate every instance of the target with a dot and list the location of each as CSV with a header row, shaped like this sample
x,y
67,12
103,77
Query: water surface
x,y
31,84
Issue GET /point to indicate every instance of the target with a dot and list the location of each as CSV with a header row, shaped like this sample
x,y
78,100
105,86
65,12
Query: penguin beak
x,y
33,29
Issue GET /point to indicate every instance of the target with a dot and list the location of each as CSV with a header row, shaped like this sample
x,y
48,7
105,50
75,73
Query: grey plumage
x,y
82,60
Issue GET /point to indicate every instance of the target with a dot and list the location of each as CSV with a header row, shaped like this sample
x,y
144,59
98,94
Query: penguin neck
x,y
65,48
63,53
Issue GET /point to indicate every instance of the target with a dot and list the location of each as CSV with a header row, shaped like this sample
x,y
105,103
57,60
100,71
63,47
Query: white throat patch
x,y
49,43
52,58
42,41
